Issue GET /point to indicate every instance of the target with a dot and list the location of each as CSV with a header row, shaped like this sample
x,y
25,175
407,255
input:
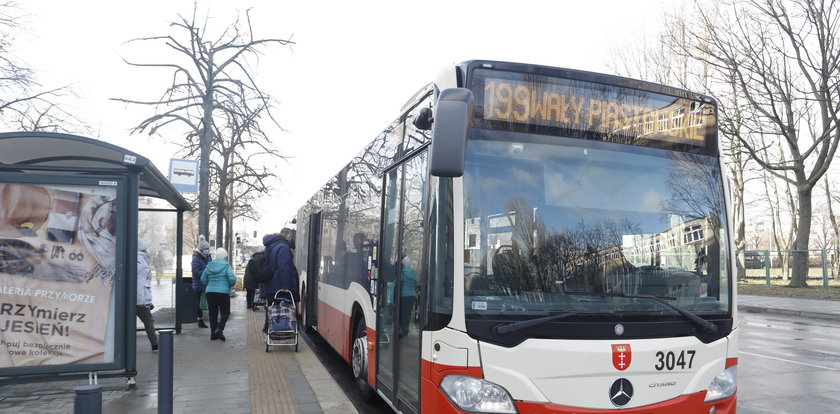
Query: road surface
x,y
788,365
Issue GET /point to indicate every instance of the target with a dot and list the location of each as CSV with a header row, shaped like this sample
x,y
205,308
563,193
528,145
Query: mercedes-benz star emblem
x,y
621,392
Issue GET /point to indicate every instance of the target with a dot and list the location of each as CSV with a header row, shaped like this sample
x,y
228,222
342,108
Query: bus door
x,y
401,275
312,270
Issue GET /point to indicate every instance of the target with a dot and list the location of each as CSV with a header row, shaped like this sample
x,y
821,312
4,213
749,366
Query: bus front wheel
x,y
359,361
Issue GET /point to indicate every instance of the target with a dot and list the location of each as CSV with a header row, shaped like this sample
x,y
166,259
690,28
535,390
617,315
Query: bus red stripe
x,y
730,362
333,325
692,403
371,336
432,399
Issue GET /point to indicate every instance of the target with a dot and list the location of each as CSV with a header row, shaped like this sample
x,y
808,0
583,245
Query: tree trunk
x,y
221,211
204,167
789,241
799,277
229,245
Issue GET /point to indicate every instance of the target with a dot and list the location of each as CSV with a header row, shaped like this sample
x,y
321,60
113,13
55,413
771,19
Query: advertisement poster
x,y
57,265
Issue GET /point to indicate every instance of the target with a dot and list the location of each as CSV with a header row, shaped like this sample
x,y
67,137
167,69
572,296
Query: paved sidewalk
x,y
807,308
236,376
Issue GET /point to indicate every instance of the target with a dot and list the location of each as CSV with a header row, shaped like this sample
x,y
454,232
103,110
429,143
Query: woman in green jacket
x,y
218,278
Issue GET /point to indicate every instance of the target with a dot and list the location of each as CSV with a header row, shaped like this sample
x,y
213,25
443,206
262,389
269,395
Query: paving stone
x,y
309,408
22,398
236,376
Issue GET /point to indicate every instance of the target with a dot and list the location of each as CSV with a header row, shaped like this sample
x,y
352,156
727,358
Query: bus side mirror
x,y
453,115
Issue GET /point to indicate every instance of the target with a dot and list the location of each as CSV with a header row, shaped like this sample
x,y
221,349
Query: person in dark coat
x,y
281,262
250,283
201,257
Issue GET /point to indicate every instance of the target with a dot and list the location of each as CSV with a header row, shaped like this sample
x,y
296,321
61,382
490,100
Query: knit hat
x,y
142,245
221,253
202,243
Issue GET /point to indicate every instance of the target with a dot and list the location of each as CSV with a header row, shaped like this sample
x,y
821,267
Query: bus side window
x,y
414,136
441,253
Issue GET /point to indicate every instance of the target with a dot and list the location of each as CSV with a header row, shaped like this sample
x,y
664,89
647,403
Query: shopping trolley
x,y
282,323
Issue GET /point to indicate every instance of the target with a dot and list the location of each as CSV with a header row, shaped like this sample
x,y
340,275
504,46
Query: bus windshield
x,y
550,222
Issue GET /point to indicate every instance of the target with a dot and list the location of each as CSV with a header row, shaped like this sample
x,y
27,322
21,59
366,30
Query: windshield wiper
x,y
515,326
709,326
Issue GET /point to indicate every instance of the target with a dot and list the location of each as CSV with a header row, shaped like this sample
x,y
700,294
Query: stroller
x,y
282,323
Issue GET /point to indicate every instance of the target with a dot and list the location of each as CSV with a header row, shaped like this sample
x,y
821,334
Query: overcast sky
x,y
351,68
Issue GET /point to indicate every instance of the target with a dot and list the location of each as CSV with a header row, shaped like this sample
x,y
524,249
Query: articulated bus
x,y
530,239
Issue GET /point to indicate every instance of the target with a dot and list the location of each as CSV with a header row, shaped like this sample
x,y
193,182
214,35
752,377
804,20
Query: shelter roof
x,y
72,155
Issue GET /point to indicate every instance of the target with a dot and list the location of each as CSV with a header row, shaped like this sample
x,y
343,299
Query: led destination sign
x,y
591,110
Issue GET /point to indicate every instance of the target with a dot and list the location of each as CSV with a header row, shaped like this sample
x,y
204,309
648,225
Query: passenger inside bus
x,y
408,294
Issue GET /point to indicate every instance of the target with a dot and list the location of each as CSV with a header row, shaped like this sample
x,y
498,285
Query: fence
x,y
822,264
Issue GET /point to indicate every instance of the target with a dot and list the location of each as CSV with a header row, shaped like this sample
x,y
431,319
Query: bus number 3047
x,y
670,360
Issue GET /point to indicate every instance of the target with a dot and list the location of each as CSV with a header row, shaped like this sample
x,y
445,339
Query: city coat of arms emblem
x,y
621,356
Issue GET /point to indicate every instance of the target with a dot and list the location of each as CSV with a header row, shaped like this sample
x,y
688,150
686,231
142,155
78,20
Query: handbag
x,y
202,303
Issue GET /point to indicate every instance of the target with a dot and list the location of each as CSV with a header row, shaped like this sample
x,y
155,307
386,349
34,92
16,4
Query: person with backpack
x,y
283,272
250,283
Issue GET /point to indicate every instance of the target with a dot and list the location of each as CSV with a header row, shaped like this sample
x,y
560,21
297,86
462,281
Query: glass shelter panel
x,y
158,229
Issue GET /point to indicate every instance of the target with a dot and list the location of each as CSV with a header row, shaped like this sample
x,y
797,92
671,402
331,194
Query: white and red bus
x,y
530,239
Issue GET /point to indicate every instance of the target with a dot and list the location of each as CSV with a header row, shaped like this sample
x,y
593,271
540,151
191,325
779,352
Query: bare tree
x,y
240,203
780,203
782,57
24,103
237,165
656,62
823,237
833,226
732,125
754,238
215,101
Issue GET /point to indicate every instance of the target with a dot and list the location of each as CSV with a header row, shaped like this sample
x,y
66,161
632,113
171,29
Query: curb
x,y
789,312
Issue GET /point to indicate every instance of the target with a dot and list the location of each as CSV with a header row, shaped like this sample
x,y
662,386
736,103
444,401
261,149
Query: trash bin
x,y
186,301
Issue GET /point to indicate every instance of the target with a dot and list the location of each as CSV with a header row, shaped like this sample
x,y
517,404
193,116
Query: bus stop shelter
x,y
71,210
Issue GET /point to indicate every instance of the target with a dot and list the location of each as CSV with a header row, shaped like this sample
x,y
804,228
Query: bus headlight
x,y
724,385
476,395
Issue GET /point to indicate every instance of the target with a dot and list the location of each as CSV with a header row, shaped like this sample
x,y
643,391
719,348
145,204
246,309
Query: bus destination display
x,y
591,110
